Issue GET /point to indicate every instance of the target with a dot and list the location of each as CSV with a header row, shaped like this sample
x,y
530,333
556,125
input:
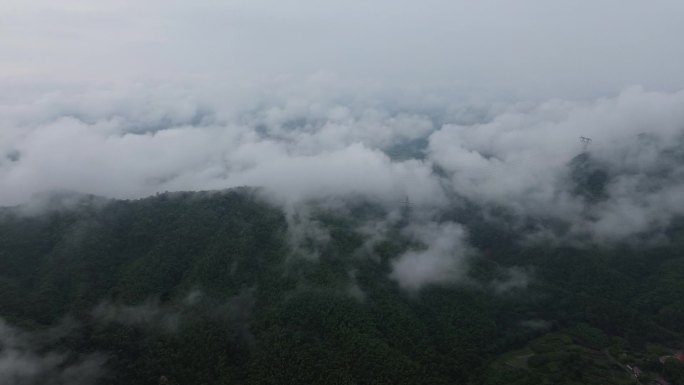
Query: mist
x,y
26,358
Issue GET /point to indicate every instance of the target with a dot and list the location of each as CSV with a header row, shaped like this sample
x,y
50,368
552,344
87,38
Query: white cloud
x,y
313,145
521,160
111,147
442,261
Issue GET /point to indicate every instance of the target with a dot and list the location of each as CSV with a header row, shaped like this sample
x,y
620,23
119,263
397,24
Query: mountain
x,y
589,177
226,288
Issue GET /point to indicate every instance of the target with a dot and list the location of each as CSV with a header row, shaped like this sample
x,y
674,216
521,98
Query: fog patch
x,y
536,324
319,142
26,359
149,314
515,278
441,261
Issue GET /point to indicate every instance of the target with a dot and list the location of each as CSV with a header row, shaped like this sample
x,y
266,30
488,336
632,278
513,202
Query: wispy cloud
x,y
26,359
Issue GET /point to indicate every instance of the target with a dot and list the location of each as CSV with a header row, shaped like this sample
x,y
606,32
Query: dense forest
x,y
210,288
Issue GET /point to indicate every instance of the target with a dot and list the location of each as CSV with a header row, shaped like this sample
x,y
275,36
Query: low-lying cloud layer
x,y
522,157
301,149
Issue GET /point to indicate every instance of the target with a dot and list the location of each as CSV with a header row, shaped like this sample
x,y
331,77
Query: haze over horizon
x,y
527,49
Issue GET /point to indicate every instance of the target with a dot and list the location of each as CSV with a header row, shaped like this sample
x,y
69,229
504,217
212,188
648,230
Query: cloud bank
x,y
524,157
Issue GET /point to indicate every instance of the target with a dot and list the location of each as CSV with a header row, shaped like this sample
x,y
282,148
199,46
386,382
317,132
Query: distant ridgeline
x,y
211,288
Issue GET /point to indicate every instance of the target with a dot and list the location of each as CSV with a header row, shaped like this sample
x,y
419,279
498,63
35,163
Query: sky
x,y
316,100
528,48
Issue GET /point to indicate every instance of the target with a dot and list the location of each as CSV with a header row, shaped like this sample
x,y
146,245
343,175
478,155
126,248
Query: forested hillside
x,y
213,288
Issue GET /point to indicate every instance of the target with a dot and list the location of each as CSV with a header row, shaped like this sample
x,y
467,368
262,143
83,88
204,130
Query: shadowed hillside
x,y
215,288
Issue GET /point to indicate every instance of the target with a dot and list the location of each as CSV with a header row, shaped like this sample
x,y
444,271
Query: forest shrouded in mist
x,y
224,287
327,192
425,244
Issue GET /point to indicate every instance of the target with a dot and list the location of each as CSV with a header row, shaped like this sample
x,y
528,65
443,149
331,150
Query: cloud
x,y
315,144
515,278
25,359
149,314
523,159
442,261
300,152
152,315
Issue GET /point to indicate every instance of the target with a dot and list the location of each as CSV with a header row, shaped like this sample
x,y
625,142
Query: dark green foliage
x,y
674,370
207,289
589,177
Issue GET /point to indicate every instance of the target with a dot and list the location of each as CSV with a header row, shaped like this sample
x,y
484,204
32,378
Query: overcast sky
x,y
525,48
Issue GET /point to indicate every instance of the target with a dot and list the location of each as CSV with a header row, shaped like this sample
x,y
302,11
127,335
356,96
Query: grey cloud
x,y
522,159
104,155
515,279
309,147
442,261
26,360
152,314
149,314
305,234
